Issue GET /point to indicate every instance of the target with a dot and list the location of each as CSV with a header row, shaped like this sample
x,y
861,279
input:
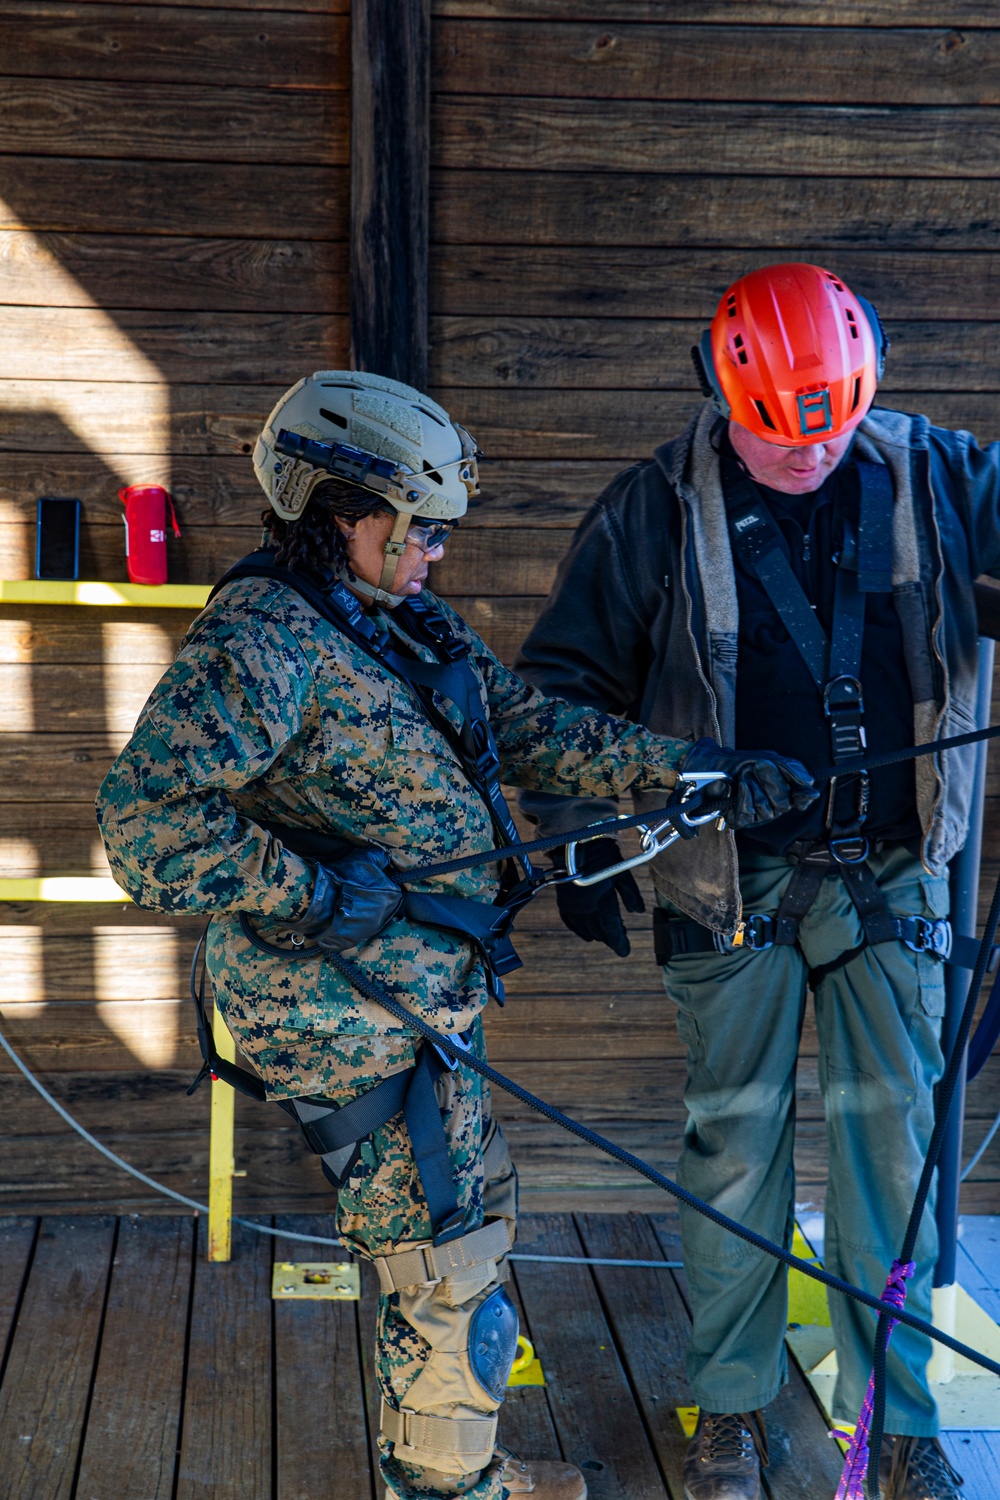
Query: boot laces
x,y
511,1462
926,1459
941,1478
727,1438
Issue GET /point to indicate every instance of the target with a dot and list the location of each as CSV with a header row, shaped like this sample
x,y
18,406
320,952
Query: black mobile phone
x,y
57,538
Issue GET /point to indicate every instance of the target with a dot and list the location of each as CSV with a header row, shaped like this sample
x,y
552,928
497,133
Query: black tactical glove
x,y
762,785
592,911
353,899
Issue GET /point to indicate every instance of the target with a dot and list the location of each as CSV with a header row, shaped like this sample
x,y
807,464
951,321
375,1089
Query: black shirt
x,y
778,706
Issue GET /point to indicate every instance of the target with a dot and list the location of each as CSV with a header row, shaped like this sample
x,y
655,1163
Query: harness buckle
x,y
929,937
484,749
844,706
755,933
459,1039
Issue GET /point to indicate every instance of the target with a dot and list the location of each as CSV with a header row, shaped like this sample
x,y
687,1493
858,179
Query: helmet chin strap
x,y
393,551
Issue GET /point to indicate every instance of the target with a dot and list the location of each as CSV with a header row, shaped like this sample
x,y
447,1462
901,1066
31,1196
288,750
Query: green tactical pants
x,y
740,1016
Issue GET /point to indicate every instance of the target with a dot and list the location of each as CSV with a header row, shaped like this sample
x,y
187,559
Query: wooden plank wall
x,y
174,219
601,171
175,200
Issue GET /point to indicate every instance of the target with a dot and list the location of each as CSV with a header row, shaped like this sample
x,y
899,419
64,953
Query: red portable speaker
x,y
146,531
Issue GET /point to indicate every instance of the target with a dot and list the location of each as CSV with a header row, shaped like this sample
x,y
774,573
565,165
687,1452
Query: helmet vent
x,y
852,323
432,473
763,414
333,416
731,304
432,415
838,284
741,353
857,393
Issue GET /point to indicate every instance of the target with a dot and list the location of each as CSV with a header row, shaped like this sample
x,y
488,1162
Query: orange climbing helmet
x,y
792,354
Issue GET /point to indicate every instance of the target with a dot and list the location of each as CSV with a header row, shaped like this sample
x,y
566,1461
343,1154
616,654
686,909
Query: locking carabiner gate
x,y
652,839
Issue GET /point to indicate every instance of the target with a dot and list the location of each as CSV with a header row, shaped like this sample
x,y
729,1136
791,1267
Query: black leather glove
x,y
763,785
353,899
592,911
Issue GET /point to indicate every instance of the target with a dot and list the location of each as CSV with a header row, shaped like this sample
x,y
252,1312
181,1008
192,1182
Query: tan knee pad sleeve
x,y
448,1418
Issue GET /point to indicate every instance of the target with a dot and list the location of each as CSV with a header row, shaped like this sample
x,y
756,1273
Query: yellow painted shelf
x,y
63,888
67,591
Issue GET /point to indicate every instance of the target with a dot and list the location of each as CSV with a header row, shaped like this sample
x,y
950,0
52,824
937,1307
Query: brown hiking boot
x,y
913,1468
543,1479
724,1457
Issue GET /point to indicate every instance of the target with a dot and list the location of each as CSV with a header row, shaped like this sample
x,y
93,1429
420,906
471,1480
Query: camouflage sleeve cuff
x,y
662,760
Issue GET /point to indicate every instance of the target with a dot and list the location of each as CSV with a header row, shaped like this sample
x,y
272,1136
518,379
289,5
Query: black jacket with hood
x,y
643,622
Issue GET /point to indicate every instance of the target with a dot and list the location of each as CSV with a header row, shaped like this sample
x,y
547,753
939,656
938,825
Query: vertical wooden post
x,y
390,159
221,1153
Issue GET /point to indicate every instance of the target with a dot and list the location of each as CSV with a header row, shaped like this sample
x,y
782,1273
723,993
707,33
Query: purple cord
x,y
851,1486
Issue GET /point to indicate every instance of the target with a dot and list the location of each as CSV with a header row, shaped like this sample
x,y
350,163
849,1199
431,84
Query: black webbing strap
x,y
342,1126
430,1147
875,544
487,925
869,899
331,1132
212,1065
761,547
800,893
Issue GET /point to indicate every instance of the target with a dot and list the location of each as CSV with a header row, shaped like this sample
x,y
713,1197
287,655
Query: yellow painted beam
x,y
63,888
221,1156
75,591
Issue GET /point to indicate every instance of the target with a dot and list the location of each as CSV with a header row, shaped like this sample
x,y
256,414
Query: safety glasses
x,y
435,534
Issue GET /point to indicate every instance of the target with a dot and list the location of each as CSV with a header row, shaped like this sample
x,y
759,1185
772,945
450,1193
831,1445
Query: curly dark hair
x,y
315,538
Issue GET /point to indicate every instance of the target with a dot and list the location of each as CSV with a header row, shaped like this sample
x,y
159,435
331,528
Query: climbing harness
x,y
758,931
864,567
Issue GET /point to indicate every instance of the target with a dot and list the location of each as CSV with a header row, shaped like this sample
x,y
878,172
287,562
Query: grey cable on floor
x,y
159,1187
985,1143
282,1234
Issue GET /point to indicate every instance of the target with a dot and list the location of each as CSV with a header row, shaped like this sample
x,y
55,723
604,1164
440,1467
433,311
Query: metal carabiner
x,y
651,839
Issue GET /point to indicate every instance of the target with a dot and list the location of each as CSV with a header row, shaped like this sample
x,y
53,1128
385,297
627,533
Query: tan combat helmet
x,y
377,433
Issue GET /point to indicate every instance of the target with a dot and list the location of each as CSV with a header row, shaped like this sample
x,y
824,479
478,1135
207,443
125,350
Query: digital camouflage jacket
x,y
271,716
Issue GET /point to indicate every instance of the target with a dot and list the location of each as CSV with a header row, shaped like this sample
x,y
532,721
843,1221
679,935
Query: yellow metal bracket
x,y
221,1154
75,591
63,888
318,1281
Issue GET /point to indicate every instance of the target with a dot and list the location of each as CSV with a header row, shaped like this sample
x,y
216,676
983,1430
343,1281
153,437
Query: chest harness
x,y
864,567
336,1133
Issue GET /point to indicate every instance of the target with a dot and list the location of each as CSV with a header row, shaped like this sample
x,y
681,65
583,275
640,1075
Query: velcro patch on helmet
x,y
386,447
402,419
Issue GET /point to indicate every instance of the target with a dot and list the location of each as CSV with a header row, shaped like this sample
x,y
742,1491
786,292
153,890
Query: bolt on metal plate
x,y
327,1281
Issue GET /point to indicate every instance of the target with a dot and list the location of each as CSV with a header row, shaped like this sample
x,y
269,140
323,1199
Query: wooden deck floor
x,y
135,1370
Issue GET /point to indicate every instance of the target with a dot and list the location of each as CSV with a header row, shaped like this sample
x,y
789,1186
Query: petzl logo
x,y
753,519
